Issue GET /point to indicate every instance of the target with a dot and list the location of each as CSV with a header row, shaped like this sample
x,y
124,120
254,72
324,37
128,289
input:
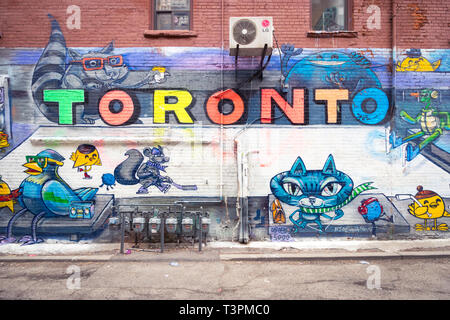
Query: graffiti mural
x,y
7,197
429,206
45,194
108,180
96,72
372,211
3,141
315,192
336,79
5,115
134,170
432,124
330,69
76,87
416,62
278,214
85,156
117,113
420,121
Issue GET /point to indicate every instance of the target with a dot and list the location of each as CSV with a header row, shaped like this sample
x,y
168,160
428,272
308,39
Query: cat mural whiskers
x,y
315,193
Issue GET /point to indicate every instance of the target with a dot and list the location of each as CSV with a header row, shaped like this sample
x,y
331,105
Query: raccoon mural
x,y
96,72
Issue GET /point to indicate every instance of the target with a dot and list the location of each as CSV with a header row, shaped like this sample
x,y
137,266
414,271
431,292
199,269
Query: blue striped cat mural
x,y
315,192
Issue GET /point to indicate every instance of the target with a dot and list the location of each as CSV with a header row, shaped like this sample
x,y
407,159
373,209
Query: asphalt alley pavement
x,y
304,270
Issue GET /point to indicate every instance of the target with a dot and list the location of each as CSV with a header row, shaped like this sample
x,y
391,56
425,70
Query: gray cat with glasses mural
x,y
96,71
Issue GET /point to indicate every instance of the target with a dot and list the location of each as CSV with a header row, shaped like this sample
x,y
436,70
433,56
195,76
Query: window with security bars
x,y
172,14
330,15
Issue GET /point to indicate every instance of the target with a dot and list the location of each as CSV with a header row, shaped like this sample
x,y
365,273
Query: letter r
x,y
161,105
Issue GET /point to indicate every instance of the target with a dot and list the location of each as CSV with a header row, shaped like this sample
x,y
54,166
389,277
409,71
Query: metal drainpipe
x,y
122,230
245,237
394,49
243,218
239,194
200,234
221,126
243,232
242,193
161,232
239,181
237,149
393,76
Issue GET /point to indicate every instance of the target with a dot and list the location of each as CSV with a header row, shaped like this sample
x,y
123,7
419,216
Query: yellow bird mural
x,y
415,62
429,206
86,155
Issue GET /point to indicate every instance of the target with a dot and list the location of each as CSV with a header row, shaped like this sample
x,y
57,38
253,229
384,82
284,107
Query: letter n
x,y
295,113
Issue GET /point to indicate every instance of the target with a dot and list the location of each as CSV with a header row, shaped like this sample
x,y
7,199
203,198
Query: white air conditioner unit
x,y
249,35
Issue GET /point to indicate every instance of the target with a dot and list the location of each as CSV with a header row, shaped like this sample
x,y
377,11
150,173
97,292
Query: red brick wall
x,y
422,24
24,23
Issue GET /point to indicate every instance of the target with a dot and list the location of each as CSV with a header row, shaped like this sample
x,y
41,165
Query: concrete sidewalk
x,y
311,249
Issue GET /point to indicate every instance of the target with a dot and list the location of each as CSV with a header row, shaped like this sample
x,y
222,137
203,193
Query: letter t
x,y
65,99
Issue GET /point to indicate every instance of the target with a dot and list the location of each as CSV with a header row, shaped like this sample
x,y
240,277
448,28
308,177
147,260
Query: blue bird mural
x,y
45,194
372,211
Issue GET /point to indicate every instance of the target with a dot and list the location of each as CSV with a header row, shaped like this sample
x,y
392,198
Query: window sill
x,y
331,34
170,33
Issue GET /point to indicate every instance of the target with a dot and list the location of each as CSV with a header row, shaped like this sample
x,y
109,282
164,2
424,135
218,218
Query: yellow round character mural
x,y
429,206
86,156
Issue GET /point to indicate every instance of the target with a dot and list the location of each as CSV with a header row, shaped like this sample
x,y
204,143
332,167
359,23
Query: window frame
x,y
154,12
348,33
347,18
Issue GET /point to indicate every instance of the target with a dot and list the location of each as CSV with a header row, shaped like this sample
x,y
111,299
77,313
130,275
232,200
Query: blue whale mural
x,y
331,69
